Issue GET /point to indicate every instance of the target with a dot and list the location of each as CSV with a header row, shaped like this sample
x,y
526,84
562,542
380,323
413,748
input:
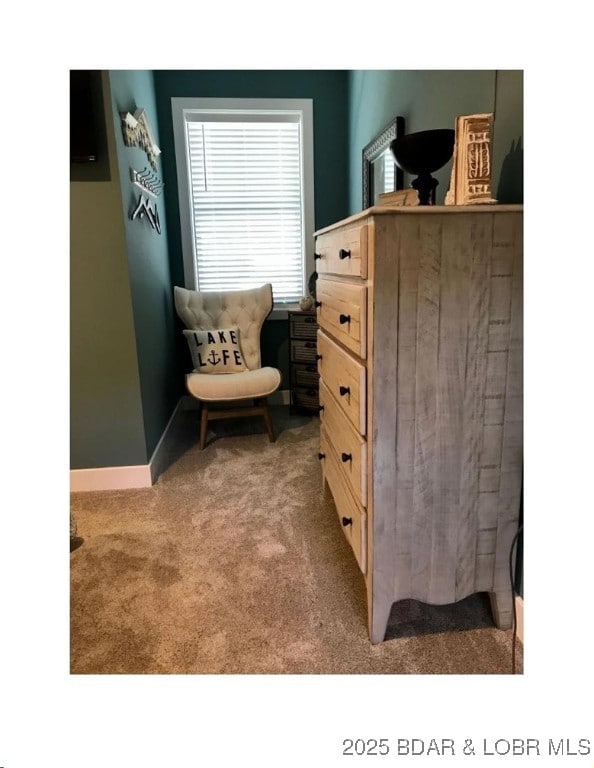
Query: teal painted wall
x,y
106,419
329,91
433,99
148,263
508,139
123,372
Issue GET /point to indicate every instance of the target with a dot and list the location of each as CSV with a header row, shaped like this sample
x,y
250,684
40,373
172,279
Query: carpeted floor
x,y
234,562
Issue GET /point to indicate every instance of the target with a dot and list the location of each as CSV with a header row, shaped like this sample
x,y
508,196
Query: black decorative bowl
x,y
422,153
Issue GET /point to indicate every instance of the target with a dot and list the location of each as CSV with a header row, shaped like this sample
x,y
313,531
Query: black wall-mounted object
x,y
84,134
89,158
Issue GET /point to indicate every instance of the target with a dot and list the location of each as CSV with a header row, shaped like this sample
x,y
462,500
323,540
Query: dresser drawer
x,y
345,377
343,251
342,312
353,519
303,326
306,397
350,447
303,351
305,375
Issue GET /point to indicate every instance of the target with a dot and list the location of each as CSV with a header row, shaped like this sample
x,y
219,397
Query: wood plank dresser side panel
x,y
383,377
409,271
407,361
426,455
511,460
497,355
477,311
456,249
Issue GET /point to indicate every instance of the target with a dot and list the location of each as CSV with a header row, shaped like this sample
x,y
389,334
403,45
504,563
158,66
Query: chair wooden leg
x,y
203,426
267,419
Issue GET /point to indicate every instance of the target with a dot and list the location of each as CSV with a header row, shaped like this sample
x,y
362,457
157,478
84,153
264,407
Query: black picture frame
x,y
371,154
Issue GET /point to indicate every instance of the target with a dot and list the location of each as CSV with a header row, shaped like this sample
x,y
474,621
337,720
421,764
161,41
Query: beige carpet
x,y
234,562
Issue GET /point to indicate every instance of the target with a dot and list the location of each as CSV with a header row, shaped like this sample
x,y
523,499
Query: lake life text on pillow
x,y
216,351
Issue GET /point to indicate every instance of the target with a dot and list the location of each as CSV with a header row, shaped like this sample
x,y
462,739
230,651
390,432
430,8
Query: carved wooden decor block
x,y
470,182
137,133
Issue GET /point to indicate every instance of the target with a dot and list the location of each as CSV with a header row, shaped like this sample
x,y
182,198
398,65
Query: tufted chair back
x,y
247,309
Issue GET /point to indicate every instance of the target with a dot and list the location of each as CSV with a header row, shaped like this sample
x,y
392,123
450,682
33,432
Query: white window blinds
x,y
246,202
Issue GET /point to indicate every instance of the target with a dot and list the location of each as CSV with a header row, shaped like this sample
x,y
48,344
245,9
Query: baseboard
x,y
158,460
110,478
520,618
144,475
121,478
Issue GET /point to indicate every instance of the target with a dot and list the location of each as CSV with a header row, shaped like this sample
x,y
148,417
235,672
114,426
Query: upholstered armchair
x,y
223,332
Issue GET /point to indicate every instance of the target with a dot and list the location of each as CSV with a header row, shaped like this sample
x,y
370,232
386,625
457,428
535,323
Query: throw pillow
x,y
216,351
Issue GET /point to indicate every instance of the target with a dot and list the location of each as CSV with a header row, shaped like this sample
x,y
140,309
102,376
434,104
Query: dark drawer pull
x,y
344,319
347,521
318,357
346,457
321,456
312,392
317,303
310,344
317,256
320,408
311,368
344,254
344,390
309,320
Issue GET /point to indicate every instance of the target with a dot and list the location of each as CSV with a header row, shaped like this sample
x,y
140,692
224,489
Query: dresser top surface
x,y
421,210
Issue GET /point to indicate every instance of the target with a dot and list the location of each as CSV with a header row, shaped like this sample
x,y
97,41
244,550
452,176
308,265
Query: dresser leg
x,y
502,608
379,621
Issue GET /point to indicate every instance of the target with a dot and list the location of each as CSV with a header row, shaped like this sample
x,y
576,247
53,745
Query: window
x,y
245,179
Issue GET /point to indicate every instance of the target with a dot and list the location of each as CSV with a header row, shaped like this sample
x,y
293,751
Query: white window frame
x,y
180,106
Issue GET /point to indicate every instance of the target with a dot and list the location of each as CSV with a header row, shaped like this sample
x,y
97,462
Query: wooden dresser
x,y
420,362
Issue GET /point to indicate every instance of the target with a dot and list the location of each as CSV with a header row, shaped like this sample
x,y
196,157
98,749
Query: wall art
x,y
137,133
